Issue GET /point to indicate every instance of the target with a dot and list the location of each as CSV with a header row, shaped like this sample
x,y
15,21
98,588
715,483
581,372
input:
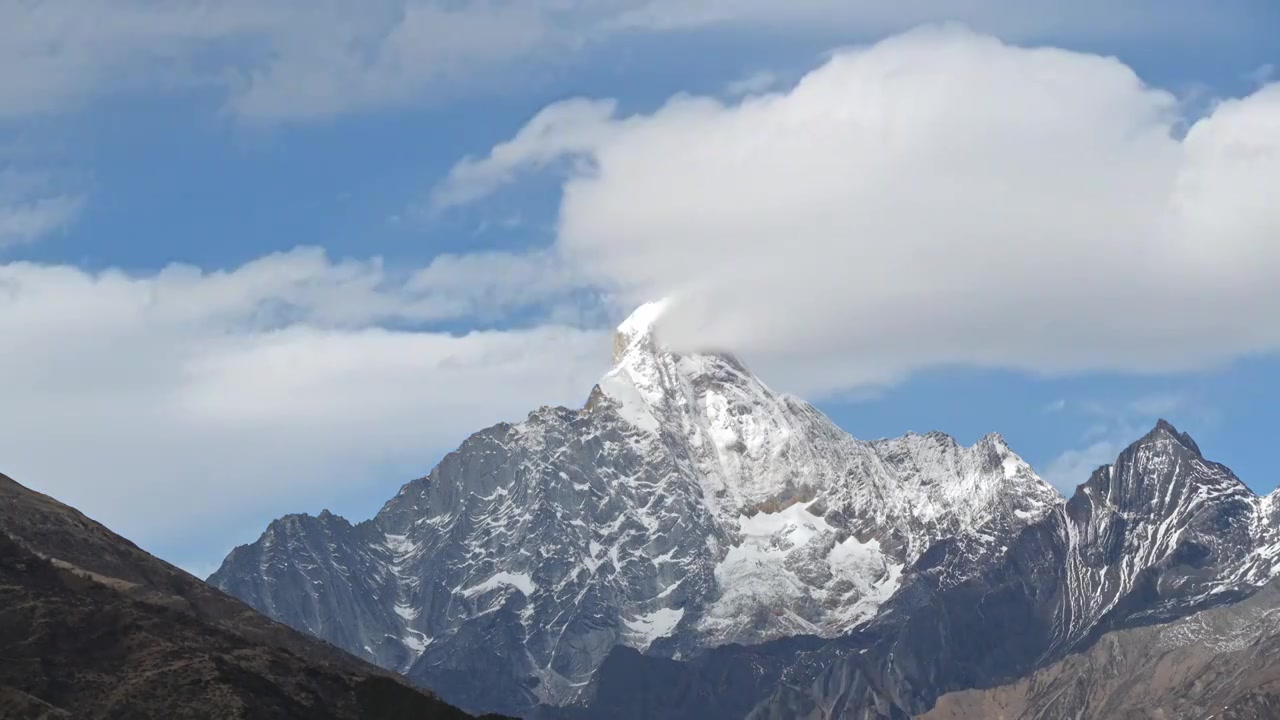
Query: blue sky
x,y
272,257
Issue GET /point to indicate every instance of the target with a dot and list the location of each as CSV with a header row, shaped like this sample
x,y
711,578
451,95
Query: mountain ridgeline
x,y
692,544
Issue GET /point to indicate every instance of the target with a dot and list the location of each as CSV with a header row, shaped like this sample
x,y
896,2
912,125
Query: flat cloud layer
x,y
940,198
176,404
291,60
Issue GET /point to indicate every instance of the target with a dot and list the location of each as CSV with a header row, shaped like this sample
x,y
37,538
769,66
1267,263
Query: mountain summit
x,y
686,506
637,330
690,534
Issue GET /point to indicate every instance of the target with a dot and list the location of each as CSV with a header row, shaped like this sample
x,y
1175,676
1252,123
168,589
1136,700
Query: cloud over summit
x,y
939,198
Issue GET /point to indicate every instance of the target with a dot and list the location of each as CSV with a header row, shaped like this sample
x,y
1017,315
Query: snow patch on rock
x,y
519,581
642,630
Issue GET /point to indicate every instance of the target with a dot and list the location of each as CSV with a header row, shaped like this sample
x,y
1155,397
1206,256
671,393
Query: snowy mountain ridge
x,y
685,506
754,446
1155,537
1162,504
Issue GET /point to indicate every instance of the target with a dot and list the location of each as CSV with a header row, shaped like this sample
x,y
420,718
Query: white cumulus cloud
x,y
940,198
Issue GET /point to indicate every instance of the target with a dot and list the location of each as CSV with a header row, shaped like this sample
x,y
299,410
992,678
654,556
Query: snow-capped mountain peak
x,y
638,328
644,382
680,509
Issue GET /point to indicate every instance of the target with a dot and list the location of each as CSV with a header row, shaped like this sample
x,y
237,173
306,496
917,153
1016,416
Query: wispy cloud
x,y
572,128
753,84
1112,426
31,208
1262,74
28,221
1071,468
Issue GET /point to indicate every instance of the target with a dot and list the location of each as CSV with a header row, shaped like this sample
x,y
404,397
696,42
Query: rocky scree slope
x,y
686,506
1218,663
93,627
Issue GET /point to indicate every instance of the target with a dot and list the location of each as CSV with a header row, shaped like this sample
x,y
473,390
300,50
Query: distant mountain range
x,y
93,627
692,544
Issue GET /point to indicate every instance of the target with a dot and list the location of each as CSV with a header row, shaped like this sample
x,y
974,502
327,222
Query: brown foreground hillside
x,y
91,626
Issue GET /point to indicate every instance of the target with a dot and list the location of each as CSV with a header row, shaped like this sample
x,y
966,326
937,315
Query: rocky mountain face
x,y
1160,535
686,511
691,544
93,627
